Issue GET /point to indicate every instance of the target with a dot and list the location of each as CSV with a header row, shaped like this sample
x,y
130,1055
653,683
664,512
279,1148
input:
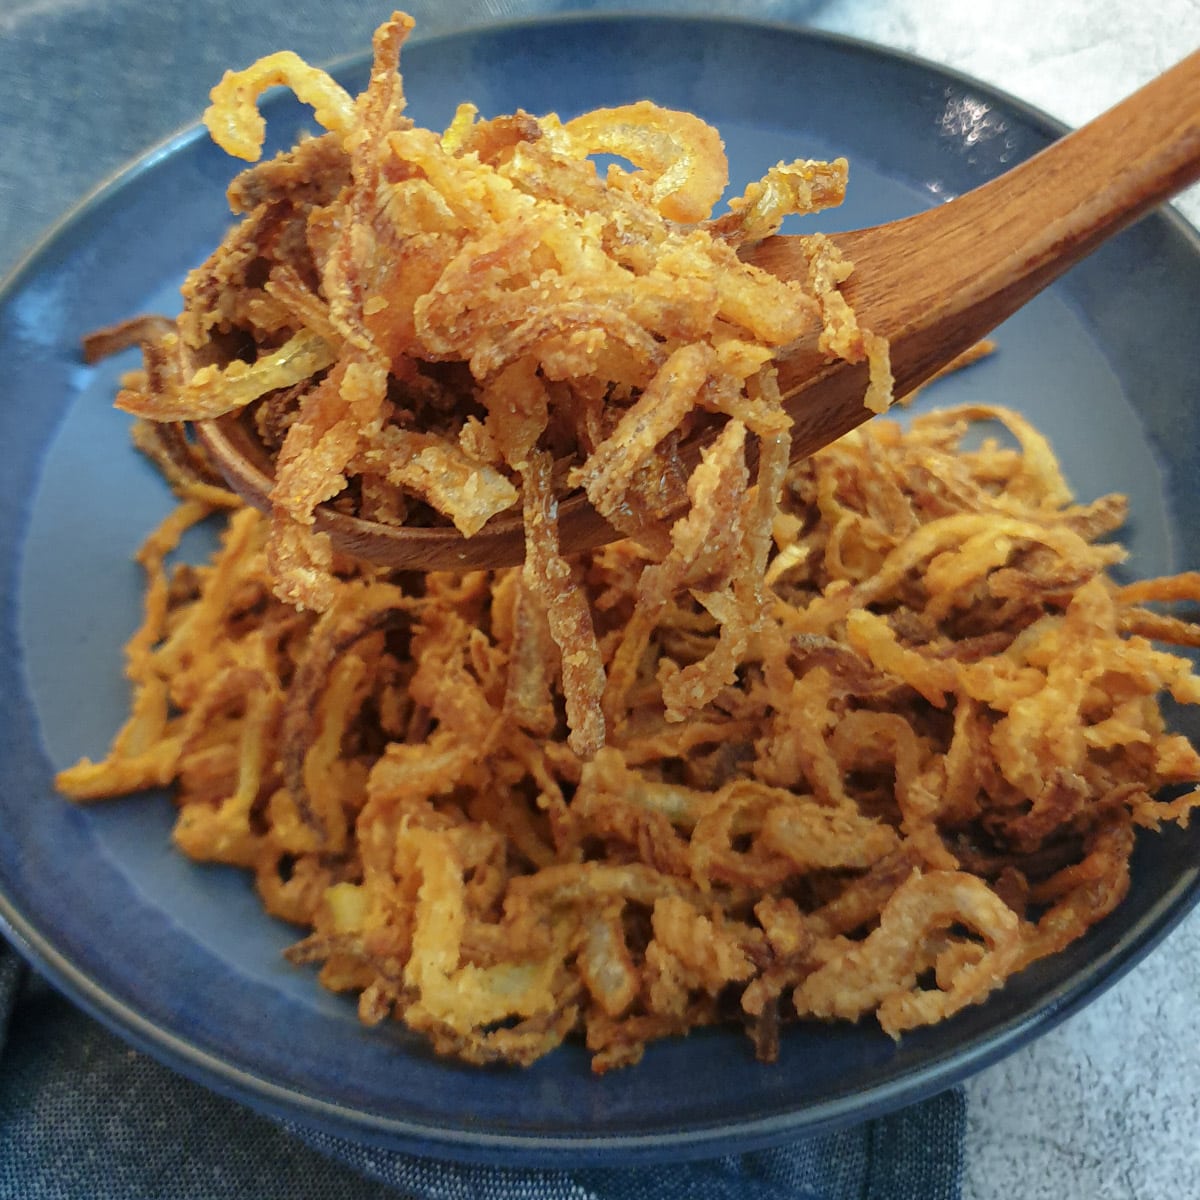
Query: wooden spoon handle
x,y
933,284
1000,244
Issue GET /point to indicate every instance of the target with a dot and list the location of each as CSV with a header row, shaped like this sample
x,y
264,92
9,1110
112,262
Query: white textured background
x,y
1107,1107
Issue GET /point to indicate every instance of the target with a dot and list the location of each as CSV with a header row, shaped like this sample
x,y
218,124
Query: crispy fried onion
x,y
416,323
909,766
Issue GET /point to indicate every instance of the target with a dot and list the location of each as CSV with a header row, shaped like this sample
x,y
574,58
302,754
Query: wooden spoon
x,y
933,284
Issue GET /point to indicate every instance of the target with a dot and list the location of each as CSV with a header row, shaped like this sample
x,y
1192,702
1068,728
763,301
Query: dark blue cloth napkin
x,y
84,1117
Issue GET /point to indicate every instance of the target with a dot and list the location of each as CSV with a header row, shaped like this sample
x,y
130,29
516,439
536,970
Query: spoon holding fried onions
x,y
473,280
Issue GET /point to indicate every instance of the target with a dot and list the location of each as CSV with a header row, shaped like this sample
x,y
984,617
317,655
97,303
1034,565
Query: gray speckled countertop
x,y
1105,1107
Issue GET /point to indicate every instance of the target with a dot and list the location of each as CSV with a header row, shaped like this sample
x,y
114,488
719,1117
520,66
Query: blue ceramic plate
x,y
179,958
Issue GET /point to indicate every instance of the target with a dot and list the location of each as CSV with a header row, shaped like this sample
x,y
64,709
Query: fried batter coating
x,y
443,328
909,768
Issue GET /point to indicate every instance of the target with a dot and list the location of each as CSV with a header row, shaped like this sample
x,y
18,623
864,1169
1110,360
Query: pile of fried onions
x,y
917,770
427,328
